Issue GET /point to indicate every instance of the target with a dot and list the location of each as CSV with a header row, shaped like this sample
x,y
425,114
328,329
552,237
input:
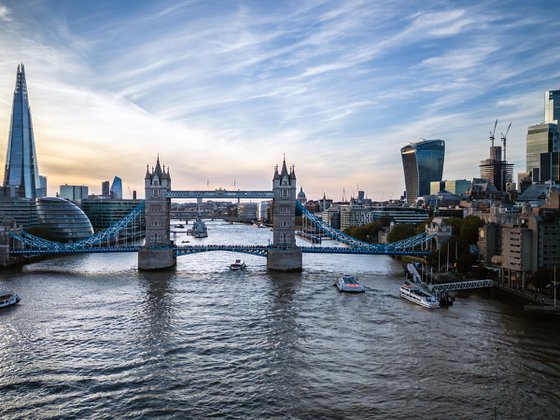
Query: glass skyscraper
x,y
552,106
541,138
422,164
22,169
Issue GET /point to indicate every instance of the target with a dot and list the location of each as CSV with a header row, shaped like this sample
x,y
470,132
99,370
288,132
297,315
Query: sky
x,y
223,90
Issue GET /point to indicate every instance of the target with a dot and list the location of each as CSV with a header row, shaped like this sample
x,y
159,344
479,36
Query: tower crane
x,y
493,132
504,138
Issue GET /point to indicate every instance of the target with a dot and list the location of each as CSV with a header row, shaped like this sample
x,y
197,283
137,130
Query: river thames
x,y
95,338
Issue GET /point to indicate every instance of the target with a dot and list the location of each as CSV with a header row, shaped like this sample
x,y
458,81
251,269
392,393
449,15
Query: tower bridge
x,y
159,251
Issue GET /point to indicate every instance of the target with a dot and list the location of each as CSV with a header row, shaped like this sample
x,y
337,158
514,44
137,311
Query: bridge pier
x,y
156,259
284,259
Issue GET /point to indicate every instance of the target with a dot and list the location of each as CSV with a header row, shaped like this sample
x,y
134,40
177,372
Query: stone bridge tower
x,y
283,254
157,253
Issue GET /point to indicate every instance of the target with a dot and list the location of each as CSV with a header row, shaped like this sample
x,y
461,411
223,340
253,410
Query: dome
x,y
60,220
301,194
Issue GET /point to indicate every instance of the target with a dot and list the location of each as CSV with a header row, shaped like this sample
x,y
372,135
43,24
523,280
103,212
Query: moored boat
x,y
199,229
8,298
349,284
237,265
416,294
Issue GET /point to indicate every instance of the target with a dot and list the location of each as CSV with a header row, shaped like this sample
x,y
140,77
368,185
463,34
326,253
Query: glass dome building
x,y
60,220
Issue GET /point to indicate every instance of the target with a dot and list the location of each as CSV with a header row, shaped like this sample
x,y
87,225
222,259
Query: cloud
x,y
4,14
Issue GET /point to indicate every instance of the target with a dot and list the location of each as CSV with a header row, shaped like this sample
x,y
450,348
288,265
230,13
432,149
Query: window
x,y
155,193
285,193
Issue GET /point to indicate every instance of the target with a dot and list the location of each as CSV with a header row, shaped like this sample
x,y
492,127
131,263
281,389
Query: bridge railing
x,y
31,244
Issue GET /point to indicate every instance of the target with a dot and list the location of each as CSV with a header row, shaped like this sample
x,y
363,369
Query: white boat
x,y
8,298
237,265
348,283
416,294
199,229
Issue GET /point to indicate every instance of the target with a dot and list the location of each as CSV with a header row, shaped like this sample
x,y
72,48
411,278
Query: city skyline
x,y
222,93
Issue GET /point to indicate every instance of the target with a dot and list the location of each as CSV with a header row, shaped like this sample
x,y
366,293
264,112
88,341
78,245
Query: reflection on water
x,y
93,337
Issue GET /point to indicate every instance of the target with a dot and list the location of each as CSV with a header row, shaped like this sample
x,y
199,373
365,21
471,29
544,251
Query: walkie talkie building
x,y
422,163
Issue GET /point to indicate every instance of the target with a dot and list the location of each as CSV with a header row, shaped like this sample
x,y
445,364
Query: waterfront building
x,y
263,211
552,106
74,192
523,243
354,216
17,211
541,138
60,220
422,163
247,212
22,169
116,189
331,216
104,213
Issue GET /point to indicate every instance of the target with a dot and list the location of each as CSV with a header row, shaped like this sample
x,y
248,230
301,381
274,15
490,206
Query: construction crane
x,y
493,132
504,138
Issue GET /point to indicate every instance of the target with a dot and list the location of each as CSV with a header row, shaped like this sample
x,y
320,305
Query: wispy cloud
x,y
222,93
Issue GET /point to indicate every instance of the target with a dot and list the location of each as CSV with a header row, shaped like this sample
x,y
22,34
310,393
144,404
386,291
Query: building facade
x,y
22,168
74,192
552,106
541,138
422,164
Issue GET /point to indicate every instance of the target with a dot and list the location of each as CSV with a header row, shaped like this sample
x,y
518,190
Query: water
x,y
94,338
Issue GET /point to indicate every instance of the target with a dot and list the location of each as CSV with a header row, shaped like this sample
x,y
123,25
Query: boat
x,y
237,265
8,298
199,229
349,284
180,226
416,294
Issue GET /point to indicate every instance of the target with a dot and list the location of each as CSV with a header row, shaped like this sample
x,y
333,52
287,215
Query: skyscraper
x,y
422,163
541,138
552,106
116,189
22,169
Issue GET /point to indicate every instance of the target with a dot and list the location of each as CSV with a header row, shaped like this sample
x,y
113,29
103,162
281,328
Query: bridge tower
x,y
157,254
283,254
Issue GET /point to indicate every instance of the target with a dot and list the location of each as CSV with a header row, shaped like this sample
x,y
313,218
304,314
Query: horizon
x,y
223,93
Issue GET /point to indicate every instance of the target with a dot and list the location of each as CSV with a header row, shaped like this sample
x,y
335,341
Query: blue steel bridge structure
x,y
115,238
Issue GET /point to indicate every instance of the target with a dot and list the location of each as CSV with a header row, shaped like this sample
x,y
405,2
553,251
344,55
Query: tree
x,y
401,231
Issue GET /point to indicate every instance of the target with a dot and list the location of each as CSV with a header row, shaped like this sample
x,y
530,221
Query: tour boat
x,y
348,283
237,265
8,298
415,294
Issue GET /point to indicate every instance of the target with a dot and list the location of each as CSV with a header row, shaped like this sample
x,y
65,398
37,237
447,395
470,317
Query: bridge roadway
x,y
260,250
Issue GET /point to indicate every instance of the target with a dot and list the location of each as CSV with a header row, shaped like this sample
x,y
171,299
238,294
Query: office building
x,y
104,213
496,170
422,164
552,106
74,192
105,188
541,138
550,167
22,170
116,189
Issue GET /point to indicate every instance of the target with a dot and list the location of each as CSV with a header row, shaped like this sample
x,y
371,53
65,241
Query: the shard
x,y
22,169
